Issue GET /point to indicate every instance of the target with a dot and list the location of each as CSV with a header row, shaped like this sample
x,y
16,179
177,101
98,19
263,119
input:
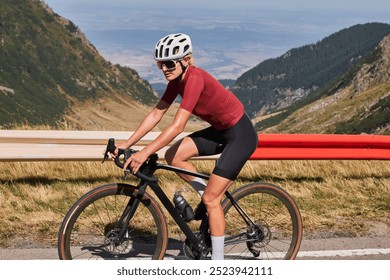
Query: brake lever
x,y
109,149
127,153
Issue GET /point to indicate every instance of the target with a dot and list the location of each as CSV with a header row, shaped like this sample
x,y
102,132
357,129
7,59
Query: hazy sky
x,y
229,37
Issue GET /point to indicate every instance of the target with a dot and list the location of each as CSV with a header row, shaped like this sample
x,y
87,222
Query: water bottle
x,y
183,207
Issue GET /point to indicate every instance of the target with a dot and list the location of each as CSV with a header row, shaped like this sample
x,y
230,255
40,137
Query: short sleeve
x,y
170,93
192,91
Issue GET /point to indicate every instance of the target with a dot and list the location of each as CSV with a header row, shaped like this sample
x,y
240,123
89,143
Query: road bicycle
x,y
123,221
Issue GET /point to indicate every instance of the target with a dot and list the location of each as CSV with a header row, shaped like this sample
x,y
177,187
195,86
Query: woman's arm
x,y
148,123
168,134
165,137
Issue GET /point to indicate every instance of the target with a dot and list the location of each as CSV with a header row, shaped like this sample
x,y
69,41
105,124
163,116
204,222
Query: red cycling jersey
x,y
206,98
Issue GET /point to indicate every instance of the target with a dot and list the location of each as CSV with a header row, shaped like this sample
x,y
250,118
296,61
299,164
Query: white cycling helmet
x,y
173,46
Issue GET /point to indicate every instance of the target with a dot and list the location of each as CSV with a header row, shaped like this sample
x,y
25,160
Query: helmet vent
x,y
166,53
161,50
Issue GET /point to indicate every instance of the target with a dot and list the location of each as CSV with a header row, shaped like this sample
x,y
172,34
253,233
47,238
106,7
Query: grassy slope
x,y
327,114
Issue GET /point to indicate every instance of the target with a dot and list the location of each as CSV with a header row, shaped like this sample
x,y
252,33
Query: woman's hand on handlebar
x,y
135,161
117,147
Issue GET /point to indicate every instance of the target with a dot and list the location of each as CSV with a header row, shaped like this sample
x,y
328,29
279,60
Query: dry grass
x,y
343,198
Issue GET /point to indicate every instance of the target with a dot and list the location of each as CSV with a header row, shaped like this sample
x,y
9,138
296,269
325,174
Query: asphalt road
x,y
358,248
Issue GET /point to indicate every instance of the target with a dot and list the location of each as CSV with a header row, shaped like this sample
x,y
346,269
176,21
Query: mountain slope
x,y
278,83
359,103
48,67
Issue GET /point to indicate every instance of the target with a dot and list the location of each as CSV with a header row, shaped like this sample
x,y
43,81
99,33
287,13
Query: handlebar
x,y
145,168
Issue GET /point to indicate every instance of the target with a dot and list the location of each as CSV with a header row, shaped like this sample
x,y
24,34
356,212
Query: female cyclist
x,y
231,132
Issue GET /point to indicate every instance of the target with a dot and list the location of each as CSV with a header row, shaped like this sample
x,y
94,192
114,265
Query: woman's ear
x,y
187,60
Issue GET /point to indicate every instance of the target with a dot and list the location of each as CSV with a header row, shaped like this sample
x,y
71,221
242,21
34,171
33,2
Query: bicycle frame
x,y
153,184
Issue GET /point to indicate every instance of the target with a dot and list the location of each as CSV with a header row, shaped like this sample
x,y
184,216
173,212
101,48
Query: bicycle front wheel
x,y
90,229
273,230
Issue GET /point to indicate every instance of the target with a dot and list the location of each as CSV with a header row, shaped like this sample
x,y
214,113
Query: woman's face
x,y
172,69
172,74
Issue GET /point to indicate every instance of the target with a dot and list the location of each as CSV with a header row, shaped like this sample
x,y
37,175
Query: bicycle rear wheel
x,y
89,229
276,231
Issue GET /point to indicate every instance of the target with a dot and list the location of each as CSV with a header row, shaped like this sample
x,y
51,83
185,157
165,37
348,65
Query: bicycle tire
x,y
88,228
278,230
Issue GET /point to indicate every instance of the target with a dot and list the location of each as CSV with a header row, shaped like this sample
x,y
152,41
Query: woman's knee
x,y
215,190
211,201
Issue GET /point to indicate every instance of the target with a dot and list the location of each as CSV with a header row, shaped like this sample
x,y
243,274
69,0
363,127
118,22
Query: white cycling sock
x,y
199,185
218,244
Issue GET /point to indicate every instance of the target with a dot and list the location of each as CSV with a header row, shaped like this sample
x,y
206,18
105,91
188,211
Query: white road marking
x,y
344,253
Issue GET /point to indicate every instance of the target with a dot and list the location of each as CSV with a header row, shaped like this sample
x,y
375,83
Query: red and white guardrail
x,y
54,145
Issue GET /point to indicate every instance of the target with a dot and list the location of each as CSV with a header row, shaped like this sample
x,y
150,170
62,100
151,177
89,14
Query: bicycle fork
x,y
129,212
